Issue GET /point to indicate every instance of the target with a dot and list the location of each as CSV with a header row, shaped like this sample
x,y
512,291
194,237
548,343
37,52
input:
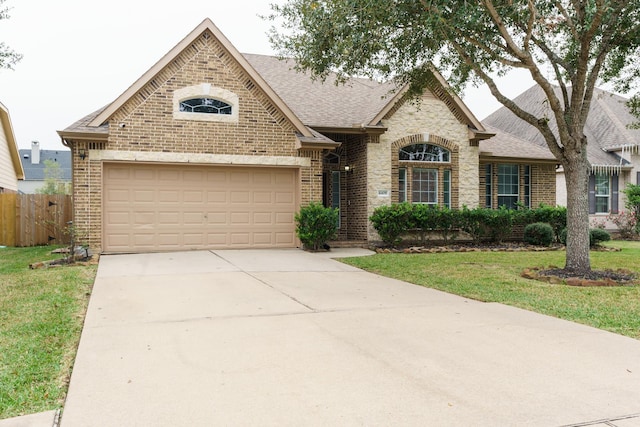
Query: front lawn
x,y
41,317
495,277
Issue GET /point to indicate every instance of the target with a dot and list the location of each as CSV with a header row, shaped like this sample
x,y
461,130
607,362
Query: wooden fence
x,y
34,219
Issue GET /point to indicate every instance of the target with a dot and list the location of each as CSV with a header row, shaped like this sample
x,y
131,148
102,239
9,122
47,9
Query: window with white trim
x,y
603,193
424,186
508,185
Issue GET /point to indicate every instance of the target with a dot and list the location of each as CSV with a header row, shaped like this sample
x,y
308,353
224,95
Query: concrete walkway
x,y
285,337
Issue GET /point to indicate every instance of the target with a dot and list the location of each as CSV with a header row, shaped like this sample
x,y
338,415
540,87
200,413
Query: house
x,y
214,149
10,167
612,150
34,163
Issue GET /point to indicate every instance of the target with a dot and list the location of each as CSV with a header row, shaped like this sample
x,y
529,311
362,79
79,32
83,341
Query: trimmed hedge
x,y
481,224
539,234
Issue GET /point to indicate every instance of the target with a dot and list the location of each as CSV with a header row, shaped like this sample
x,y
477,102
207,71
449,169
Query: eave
x,y
70,136
354,130
11,141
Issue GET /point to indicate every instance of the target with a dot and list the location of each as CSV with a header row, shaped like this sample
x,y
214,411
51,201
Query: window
x,y
446,184
424,184
603,192
205,105
508,179
424,153
527,186
335,192
488,186
402,185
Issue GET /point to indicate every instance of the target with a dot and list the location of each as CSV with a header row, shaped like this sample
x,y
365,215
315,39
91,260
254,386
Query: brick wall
x,y
543,182
145,123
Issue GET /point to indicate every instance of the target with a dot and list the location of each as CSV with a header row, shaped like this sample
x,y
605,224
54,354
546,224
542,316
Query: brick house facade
x,y
155,170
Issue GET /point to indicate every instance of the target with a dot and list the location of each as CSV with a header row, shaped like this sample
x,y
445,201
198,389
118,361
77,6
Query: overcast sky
x,y
80,55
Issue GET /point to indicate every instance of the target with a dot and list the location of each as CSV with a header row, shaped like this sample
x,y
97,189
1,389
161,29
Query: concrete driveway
x,y
286,337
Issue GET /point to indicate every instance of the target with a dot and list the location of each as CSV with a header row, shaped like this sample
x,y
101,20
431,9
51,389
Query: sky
x,y
81,55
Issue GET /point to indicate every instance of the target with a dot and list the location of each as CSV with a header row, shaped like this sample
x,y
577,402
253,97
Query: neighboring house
x,y
214,149
612,150
10,167
34,163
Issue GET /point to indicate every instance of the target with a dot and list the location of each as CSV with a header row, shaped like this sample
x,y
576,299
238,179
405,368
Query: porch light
x,y
348,168
82,153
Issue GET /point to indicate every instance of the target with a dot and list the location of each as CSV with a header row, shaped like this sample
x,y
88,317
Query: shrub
x,y
424,218
315,225
632,192
392,221
499,223
472,222
539,234
627,223
596,236
448,223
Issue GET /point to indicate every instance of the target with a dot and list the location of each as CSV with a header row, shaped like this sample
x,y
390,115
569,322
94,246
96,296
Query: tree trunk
x,y
577,180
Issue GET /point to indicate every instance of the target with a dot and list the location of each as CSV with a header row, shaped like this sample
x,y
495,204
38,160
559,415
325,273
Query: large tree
x,y
8,57
570,44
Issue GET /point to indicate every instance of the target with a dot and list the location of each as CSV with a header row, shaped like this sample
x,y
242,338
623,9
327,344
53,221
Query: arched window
x,y
205,105
424,153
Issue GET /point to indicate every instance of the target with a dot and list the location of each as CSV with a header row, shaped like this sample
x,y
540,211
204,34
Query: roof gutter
x,y
358,129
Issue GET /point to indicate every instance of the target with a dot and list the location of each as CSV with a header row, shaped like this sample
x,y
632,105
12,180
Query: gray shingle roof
x,y
323,104
36,171
605,127
504,144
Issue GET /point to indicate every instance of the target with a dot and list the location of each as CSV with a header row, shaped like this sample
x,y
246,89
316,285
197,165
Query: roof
x,y
307,103
5,119
35,172
504,144
606,127
323,104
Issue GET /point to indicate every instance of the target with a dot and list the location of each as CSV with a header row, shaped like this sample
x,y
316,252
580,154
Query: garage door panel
x,y
239,218
171,207
216,197
146,174
240,197
262,218
217,218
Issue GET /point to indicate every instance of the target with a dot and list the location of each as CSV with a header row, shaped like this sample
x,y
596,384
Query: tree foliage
x,y
567,46
8,57
53,183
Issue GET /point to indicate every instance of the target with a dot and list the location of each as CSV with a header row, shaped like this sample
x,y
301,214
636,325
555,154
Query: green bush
x,y
392,221
448,223
632,192
539,234
556,217
315,225
424,218
596,236
499,223
472,222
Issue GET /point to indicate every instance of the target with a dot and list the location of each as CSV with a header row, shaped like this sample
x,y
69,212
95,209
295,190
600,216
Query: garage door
x,y
170,207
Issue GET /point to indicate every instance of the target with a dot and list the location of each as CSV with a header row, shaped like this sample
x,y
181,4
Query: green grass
x,y
495,277
41,317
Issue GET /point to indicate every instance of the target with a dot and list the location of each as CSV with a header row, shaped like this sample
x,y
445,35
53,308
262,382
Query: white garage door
x,y
173,207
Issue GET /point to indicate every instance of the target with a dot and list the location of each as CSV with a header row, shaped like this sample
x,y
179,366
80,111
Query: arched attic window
x,y
205,102
206,106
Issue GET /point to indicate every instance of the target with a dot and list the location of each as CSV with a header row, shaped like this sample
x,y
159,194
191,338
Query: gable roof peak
x,y
206,25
